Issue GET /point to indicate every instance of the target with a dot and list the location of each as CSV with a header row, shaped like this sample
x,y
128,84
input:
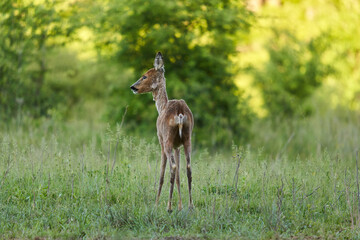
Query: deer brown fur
x,y
174,127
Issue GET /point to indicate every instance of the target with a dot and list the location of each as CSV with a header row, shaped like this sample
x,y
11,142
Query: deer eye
x,y
144,77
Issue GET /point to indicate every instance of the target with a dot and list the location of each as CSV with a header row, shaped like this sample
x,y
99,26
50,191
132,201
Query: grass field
x,y
71,181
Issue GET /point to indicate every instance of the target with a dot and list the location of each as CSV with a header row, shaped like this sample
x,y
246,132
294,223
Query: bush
x,y
29,32
196,38
294,70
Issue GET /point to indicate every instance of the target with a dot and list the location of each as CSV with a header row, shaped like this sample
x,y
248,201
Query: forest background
x,y
247,73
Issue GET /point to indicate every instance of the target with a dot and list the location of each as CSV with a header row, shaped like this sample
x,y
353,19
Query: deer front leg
x,y
187,149
177,175
161,182
172,166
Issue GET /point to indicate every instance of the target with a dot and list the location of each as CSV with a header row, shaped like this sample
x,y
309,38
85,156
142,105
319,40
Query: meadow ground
x,y
69,181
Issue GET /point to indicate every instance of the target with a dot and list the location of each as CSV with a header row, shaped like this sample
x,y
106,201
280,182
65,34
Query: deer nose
x,y
134,89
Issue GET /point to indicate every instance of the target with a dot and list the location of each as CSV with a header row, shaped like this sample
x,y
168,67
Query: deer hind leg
x,y
177,175
187,149
161,182
172,166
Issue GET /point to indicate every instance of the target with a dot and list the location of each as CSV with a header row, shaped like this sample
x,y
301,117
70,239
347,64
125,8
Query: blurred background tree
x,y
197,39
294,71
29,32
238,69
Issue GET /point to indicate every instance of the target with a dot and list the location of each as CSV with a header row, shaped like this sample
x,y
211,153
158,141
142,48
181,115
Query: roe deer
x,y
174,127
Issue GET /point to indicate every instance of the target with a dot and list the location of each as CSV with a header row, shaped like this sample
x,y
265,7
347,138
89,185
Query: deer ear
x,y
158,62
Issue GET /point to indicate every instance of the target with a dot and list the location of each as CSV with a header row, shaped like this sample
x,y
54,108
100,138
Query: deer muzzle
x,y
134,89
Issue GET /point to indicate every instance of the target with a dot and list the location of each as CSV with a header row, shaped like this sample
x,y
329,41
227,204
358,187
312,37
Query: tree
x,y
293,72
197,39
29,30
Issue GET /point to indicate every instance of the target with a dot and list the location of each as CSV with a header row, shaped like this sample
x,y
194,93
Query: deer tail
x,y
179,120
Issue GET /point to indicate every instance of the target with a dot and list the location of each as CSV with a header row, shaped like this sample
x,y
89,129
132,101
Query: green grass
x,y
69,181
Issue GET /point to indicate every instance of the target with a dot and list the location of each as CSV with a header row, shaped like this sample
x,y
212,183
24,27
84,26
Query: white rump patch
x,y
179,120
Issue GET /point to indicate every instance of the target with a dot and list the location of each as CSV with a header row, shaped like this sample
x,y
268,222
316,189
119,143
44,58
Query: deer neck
x,y
160,98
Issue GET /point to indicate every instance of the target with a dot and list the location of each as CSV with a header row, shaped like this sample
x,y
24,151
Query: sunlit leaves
x,y
196,38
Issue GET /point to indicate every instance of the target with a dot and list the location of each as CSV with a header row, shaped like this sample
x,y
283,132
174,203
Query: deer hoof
x,y
169,211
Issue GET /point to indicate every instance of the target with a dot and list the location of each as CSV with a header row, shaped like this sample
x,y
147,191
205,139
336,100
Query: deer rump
x,y
178,122
179,119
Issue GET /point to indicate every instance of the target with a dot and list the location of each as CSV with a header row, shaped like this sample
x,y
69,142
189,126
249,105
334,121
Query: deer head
x,y
152,79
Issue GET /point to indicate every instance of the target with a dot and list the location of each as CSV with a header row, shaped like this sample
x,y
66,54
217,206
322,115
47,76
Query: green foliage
x,y
293,72
29,31
77,59
196,38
